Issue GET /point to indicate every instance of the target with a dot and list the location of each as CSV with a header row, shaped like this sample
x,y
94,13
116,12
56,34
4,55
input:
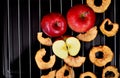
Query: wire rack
x,y
21,22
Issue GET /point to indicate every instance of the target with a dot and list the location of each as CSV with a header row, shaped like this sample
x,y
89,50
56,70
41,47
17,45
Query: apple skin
x,y
81,18
54,24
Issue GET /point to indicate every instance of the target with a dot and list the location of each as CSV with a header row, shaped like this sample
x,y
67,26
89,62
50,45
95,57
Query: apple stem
x,y
57,23
84,15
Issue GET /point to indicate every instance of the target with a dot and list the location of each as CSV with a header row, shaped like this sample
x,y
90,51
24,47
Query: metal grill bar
x,y
39,24
115,36
119,56
71,6
19,38
83,66
104,35
61,13
29,21
9,41
39,16
50,6
61,6
5,60
71,3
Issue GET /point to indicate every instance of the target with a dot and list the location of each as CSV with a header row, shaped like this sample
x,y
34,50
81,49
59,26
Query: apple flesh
x,y
73,45
60,49
81,18
54,24
63,48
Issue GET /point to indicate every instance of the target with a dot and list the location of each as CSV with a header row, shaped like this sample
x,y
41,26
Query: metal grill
x,y
20,24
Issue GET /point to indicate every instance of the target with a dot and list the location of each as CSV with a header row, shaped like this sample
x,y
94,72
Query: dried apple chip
x,y
42,64
113,31
99,9
44,41
89,35
74,61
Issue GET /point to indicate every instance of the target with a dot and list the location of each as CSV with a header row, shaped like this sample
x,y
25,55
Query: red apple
x,y
54,24
81,18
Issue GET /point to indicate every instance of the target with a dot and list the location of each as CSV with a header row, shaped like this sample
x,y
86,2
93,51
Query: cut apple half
x,y
63,48
89,35
60,49
73,45
44,41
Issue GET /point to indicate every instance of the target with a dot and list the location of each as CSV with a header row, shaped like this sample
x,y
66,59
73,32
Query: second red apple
x,y
81,18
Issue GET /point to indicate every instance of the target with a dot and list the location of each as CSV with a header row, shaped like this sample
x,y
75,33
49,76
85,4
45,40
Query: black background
x,y
10,46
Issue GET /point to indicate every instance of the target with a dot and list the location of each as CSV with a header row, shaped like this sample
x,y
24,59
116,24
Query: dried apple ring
x,y
89,35
39,61
44,41
51,74
107,55
110,72
74,61
88,74
61,71
99,9
113,31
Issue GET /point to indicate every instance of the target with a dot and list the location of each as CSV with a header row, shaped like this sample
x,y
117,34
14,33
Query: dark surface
x,y
10,46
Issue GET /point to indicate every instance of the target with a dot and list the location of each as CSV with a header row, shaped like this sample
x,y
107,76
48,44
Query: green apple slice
x,y
60,49
73,45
